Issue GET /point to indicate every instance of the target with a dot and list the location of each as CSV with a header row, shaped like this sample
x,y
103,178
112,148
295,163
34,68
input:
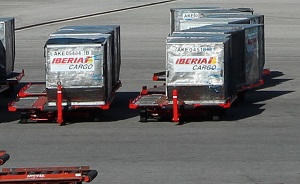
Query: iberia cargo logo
x,y
194,63
72,63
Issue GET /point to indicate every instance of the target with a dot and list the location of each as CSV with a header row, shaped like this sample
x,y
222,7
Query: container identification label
x,y
64,61
191,16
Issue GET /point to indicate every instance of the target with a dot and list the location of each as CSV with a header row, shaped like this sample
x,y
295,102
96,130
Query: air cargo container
x,y
254,19
82,64
251,58
201,70
114,31
185,35
7,46
178,14
8,77
187,24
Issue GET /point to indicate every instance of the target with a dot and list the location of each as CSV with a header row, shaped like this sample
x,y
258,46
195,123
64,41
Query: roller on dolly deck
x,y
45,175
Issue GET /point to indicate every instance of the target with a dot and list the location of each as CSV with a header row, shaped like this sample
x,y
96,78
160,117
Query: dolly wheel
x,y
9,91
98,115
241,97
23,121
216,117
217,114
23,118
143,116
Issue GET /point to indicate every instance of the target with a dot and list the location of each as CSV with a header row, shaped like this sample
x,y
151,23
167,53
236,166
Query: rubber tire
x,y
216,117
23,118
241,97
143,116
8,93
98,116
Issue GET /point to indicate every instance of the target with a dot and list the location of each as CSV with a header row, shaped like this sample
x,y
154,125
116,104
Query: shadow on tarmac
x,y
271,79
5,98
249,107
253,103
119,109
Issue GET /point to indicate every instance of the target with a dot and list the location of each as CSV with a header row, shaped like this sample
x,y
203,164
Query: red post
x,y
175,106
59,105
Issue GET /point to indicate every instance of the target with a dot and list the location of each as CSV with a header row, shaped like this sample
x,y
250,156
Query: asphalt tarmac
x,y
258,143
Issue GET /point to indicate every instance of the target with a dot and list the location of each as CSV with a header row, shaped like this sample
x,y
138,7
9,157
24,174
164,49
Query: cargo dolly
x,y
208,67
153,102
82,67
45,175
32,103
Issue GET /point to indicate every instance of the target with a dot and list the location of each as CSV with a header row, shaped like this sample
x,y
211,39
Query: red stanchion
x,y
175,106
59,105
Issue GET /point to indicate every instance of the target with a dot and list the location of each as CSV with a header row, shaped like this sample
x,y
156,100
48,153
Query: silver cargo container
x,y
81,63
200,69
7,46
251,58
114,30
178,14
187,24
185,35
254,19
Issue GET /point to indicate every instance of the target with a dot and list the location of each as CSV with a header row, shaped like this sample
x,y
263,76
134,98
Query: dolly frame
x,y
39,111
45,175
48,175
176,107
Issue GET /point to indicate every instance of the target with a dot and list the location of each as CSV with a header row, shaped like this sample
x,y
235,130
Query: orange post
x,y
175,106
59,105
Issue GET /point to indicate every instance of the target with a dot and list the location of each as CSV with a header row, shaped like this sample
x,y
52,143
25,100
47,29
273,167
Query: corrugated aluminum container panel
x,y
254,47
187,24
7,46
254,19
178,14
199,69
82,64
114,30
184,35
